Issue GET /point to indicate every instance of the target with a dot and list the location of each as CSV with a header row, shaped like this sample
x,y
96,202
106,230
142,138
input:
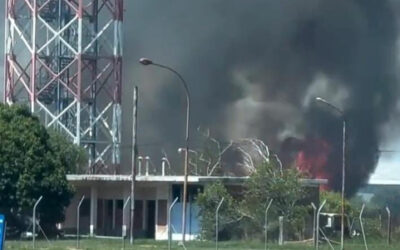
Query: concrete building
x,y
103,213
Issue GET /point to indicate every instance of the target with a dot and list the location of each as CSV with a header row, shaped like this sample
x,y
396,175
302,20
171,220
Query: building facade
x,y
105,210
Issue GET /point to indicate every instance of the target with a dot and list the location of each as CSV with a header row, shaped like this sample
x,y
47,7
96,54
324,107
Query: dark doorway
x,y
138,223
151,219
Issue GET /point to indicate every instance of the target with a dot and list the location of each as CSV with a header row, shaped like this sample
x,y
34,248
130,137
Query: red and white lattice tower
x,y
64,60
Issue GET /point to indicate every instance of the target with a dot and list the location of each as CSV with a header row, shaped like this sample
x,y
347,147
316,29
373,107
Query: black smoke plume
x,y
254,67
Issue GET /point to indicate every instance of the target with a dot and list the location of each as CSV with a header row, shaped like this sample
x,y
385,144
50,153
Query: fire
x,y
312,159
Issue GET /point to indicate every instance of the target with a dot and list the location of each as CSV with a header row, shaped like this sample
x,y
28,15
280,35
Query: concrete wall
x,y
106,217
71,212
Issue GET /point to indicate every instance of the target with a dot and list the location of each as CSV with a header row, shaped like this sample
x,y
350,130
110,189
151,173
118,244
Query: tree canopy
x,y
33,162
334,204
243,212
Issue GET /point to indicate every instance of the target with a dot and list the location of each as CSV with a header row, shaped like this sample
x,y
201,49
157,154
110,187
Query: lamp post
x,y
146,62
134,162
341,113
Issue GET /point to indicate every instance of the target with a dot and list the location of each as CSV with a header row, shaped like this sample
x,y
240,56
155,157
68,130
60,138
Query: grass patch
x,y
103,244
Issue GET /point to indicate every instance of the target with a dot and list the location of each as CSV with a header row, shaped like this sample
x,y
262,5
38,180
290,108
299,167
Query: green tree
x,y
208,202
390,197
387,196
33,162
267,180
334,204
68,155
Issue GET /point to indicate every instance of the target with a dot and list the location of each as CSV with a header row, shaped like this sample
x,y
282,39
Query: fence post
x,y
266,224
123,222
216,222
78,215
169,222
317,232
280,239
34,220
389,226
314,221
362,226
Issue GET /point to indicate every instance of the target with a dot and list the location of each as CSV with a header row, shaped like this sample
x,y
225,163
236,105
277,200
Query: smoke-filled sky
x,y
254,67
253,70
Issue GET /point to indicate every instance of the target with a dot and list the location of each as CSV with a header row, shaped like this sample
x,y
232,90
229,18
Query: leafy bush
x,y
33,163
243,215
208,201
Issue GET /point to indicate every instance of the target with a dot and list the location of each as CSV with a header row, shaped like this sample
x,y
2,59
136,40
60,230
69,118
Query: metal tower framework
x,y
63,58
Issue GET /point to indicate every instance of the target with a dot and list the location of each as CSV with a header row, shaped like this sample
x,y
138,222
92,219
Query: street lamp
x,y
146,62
341,113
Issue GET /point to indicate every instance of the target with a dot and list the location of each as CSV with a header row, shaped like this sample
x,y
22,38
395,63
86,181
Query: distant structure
x,y
64,60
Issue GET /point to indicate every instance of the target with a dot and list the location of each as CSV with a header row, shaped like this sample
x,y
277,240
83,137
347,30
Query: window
x,y
85,208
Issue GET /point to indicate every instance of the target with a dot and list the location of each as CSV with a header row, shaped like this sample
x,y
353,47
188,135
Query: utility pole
x,y
134,156
343,180
341,113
